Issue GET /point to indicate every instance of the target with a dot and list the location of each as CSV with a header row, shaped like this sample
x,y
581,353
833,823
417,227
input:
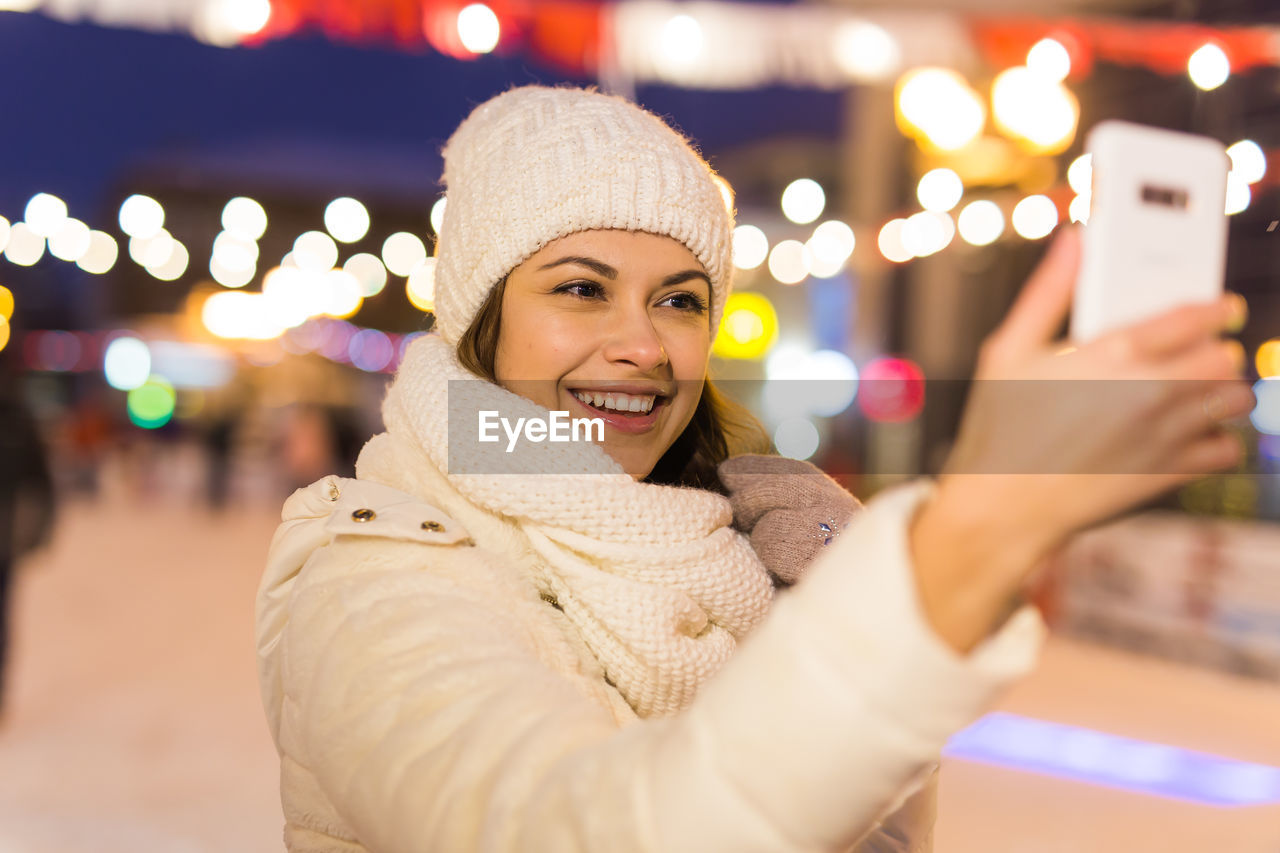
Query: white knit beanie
x,y
537,163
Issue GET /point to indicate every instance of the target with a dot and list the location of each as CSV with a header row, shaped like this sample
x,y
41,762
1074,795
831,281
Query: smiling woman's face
x,y
611,325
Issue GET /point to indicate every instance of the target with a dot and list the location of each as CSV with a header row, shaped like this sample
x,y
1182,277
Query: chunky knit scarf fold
x,y
658,584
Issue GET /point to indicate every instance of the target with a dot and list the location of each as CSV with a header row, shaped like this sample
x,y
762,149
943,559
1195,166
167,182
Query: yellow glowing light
x,y
1238,194
981,222
750,247
102,253
6,303
1268,359
71,241
890,242
421,286
4,333
938,105
478,28
402,252
866,52
141,216
803,201
1050,59
245,218
343,298
939,190
790,262
346,219
1036,111
19,5
1209,67
1080,174
237,314
45,214
1035,217
1248,161
26,247
748,329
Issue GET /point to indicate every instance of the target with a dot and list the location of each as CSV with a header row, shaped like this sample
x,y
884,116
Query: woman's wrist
x,y
972,546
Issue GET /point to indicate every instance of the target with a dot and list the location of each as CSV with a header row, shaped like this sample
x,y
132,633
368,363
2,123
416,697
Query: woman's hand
x,y
1055,439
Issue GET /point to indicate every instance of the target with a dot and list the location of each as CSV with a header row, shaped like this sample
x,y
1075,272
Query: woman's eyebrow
x,y
599,267
687,275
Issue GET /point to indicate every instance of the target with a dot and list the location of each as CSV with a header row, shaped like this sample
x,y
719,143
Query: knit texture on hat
x,y
536,163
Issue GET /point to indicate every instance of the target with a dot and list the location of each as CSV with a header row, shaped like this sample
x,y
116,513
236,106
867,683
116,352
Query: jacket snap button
x,y
363,515
433,526
334,494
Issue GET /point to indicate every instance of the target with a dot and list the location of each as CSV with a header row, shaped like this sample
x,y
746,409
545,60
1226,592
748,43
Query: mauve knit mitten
x,y
788,508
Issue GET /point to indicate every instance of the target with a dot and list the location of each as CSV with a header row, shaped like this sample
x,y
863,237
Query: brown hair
x,y
720,427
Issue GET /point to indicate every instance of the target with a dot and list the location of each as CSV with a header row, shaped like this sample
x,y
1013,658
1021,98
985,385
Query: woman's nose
x,y
632,338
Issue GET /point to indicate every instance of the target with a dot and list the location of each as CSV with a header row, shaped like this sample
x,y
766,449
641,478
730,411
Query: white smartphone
x,y
1156,235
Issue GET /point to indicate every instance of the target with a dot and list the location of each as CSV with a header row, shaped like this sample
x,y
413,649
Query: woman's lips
x,y
630,424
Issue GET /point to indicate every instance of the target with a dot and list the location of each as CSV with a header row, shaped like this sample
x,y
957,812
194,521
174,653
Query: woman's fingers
x,y
1182,327
1043,303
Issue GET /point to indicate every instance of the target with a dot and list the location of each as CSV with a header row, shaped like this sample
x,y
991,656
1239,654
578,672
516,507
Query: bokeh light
x,y
346,219
1035,217
750,247
1080,208
437,214
478,28
6,303
889,241
4,333
1268,359
803,201
1248,161
891,390
939,105
421,284
4,233
1238,194
235,253
790,262
402,252
343,294
1080,174
45,214
153,251
141,216
370,350
748,328
229,278
796,438
679,46
866,52
237,314
315,251
829,247
245,218
126,363
1209,67
939,190
927,233
1266,414
101,255
25,247
71,241
1050,59
1038,112
981,222
151,404
173,268
369,271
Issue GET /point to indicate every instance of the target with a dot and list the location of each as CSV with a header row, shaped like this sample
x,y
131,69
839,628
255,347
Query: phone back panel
x,y
1157,232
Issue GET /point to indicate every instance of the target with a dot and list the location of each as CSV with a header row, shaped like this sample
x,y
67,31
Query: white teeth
x,y
619,402
599,400
636,403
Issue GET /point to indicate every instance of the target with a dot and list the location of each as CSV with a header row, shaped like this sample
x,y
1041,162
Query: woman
x,y
523,644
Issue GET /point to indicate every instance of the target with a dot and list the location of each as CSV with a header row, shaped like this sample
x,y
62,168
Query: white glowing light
x,y
803,201
830,246
71,241
343,297
229,278
315,251
346,219
865,51
153,251
478,28
4,233
421,286
175,266
1266,414
45,214
1080,174
437,214
939,190
890,242
680,43
19,5
1080,208
25,247
927,233
790,262
1031,107
1035,217
1238,194
227,22
244,218
750,247
1050,59
941,105
1248,161
235,253
141,216
796,438
102,253
981,222
369,271
402,252
126,363
236,314
292,296
1209,67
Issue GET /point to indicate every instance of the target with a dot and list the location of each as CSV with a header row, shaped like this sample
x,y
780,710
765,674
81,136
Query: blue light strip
x,y
1085,755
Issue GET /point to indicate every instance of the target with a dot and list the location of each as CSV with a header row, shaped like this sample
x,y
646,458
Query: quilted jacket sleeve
x,y
431,724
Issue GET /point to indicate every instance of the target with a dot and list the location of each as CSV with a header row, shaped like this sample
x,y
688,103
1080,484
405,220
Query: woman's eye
x,y
687,302
581,289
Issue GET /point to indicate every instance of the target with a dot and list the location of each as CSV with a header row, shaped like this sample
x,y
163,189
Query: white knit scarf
x,y
659,585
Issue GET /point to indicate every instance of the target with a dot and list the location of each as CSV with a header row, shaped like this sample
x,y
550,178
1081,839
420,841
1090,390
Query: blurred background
x,y
217,220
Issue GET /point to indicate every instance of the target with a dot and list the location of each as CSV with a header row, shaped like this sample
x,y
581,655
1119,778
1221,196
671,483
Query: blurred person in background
x,y
669,641
26,492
